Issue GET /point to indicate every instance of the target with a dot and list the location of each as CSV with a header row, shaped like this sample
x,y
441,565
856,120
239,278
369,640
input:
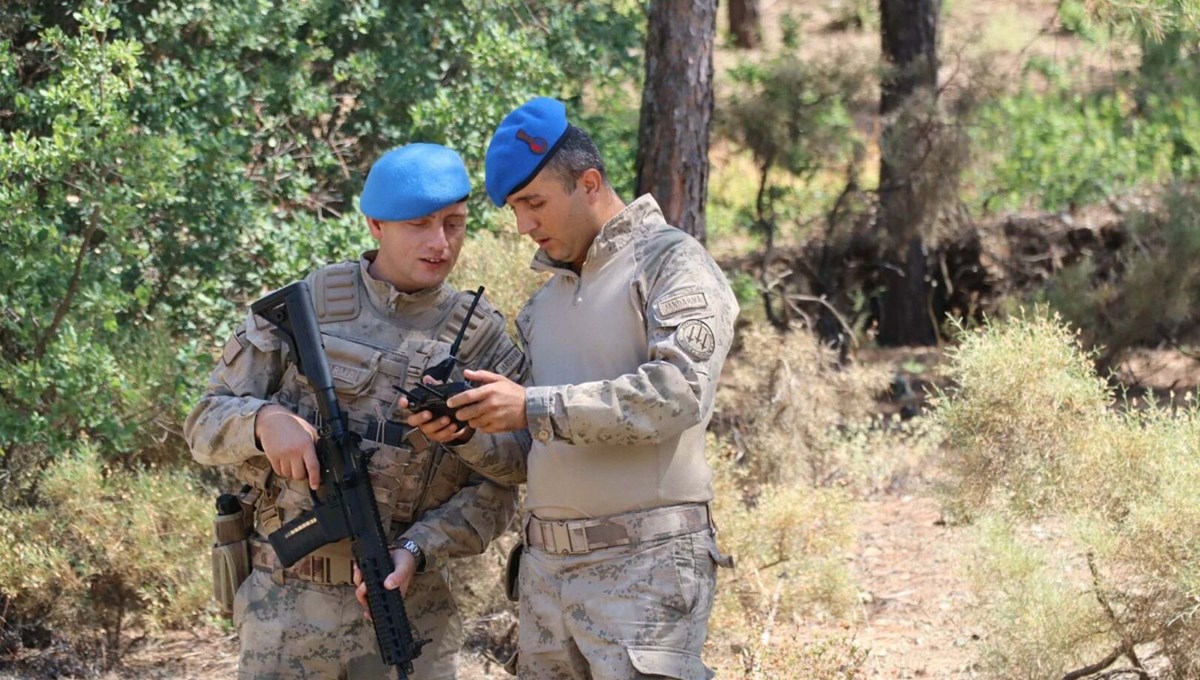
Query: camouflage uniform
x,y
618,574
305,622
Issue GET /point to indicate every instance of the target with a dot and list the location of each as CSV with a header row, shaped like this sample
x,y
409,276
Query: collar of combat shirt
x,y
385,296
616,233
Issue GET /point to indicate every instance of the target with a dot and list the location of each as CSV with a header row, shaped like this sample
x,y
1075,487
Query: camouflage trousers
x,y
304,631
618,613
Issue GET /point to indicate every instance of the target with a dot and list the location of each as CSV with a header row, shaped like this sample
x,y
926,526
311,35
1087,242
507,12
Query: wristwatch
x,y
414,549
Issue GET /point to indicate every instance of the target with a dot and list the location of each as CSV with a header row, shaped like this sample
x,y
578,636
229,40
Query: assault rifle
x,y
344,504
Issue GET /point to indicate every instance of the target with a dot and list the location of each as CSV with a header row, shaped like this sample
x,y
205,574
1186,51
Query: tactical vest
x,y
370,354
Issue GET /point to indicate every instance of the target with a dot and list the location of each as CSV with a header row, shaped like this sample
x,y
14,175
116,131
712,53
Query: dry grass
x,y
1035,439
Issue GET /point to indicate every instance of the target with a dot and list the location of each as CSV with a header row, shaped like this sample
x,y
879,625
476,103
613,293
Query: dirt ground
x,y
916,605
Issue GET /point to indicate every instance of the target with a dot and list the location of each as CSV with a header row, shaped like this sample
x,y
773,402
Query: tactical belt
x,y
585,535
326,571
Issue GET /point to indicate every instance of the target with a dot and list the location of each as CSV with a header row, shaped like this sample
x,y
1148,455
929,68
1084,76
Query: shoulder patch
x,y
233,347
696,338
680,302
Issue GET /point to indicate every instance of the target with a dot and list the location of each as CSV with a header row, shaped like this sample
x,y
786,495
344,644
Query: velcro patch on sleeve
x,y
677,303
233,348
511,360
696,338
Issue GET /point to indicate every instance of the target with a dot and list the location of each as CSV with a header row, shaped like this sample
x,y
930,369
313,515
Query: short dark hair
x,y
575,155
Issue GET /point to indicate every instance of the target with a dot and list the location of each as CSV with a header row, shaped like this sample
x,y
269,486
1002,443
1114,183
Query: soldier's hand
x,y
497,405
436,429
290,444
401,577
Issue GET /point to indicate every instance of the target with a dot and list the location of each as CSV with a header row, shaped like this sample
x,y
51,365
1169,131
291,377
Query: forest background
x,y
957,435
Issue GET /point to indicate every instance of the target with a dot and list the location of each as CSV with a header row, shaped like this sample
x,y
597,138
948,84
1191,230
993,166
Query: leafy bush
x,y
1033,435
1055,147
102,551
793,116
161,163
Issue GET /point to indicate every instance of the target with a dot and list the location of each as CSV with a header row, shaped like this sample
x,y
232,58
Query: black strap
x,y
391,434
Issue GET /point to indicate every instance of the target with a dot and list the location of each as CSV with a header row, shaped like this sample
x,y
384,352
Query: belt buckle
x,y
567,538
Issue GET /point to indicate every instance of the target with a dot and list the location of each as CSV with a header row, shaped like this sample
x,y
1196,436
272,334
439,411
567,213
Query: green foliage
x,y
1033,435
1075,17
793,116
164,162
1054,145
1062,148
161,163
104,550
1151,20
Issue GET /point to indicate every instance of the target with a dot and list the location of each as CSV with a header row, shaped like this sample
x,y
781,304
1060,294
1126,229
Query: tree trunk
x,y
677,110
745,24
909,32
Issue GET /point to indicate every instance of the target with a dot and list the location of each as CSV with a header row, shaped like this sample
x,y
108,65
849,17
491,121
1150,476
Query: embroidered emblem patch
x,y
696,338
537,145
680,303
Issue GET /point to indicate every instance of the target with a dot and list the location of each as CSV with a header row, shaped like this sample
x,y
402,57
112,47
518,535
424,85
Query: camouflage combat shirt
x,y
625,358
376,338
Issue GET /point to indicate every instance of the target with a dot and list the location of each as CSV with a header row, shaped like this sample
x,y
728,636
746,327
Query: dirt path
x,y
917,605
915,620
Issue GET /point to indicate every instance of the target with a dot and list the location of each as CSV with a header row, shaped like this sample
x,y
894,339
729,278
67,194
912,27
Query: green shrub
x,y
1021,388
1038,623
1059,149
103,551
163,163
1033,433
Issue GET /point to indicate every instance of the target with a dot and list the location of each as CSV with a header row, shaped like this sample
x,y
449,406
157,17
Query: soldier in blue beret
x,y
384,318
626,342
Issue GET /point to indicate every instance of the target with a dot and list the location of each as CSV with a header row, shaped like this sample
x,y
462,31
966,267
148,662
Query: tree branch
x,y
72,287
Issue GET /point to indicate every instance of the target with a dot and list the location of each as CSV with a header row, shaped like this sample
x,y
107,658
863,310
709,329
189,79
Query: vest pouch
x,y
230,553
351,365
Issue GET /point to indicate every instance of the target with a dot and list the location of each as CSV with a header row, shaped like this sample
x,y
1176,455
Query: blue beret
x,y
413,181
522,144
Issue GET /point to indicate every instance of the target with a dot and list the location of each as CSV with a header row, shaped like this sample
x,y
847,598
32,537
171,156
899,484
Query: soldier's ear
x,y
592,183
376,228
